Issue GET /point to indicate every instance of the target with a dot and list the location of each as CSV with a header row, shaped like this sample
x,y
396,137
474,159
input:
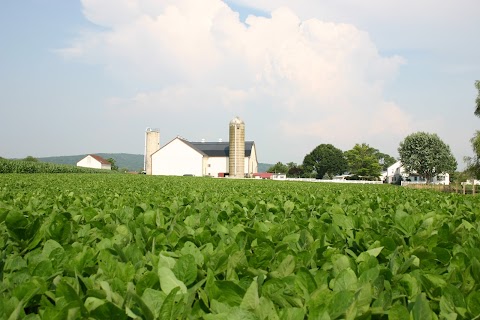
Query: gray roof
x,y
220,149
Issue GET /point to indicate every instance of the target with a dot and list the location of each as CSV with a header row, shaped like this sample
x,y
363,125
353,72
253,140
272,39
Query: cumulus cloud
x,y
315,79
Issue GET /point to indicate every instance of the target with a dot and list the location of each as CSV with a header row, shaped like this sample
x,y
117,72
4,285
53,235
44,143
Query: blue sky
x,y
89,76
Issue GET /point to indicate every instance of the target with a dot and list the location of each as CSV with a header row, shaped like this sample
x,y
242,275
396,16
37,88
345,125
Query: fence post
x,y
464,185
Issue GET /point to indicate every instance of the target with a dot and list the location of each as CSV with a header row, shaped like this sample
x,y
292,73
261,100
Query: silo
x,y
236,162
152,145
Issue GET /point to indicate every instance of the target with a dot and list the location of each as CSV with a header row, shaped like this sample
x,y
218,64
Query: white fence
x,y
406,183
334,181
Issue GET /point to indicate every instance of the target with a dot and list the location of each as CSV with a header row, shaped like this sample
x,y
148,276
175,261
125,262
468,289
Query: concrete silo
x,y
152,145
236,162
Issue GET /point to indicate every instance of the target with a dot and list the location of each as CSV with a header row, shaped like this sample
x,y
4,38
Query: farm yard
x,y
96,246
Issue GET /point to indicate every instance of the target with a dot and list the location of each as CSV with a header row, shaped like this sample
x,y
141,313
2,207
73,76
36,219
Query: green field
x,y
93,246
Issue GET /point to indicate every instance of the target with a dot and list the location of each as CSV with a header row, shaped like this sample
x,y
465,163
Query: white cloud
x,y
315,79
396,24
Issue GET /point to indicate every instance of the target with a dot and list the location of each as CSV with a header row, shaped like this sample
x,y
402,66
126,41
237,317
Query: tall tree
x,y
363,161
278,168
30,159
113,163
325,158
473,163
426,154
477,101
385,160
294,170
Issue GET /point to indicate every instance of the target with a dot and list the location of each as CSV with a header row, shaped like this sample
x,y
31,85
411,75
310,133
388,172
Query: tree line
x,y
421,153
327,161
473,163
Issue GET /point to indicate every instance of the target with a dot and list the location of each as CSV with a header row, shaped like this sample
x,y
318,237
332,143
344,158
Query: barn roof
x,y
220,149
99,159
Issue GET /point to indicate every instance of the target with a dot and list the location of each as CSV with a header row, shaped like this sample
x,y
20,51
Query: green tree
x,y
30,159
325,158
278,168
473,163
426,154
385,160
294,170
477,101
113,163
363,161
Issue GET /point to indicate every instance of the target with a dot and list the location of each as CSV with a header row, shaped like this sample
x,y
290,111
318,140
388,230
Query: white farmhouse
x,y
181,157
396,173
95,162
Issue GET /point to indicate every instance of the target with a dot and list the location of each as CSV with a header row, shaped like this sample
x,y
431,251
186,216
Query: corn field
x,y
20,166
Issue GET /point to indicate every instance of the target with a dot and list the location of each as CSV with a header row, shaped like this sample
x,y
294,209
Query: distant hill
x,y
263,167
133,162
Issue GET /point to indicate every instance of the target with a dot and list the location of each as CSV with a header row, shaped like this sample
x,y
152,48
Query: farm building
x,y
396,173
95,162
235,158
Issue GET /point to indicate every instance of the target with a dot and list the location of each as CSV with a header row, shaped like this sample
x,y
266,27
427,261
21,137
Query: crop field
x,y
93,246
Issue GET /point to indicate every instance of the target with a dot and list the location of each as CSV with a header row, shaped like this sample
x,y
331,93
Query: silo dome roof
x,y
236,120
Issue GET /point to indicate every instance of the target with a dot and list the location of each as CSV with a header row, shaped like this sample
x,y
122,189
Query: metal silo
x,y
236,161
152,145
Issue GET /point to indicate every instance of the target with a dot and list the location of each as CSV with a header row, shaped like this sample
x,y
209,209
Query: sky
x,y
90,76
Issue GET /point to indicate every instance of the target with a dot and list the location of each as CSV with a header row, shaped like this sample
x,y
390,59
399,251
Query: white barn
x,y
95,162
181,157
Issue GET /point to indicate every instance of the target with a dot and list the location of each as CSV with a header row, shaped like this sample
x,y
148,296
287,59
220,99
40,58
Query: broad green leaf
x,y
101,309
286,267
421,308
411,285
398,312
165,261
363,297
148,280
375,251
168,281
340,303
473,304
454,299
292,314
51,246
60,228
288,206
405,223
14,263
442,255
305,282
346,280
340,263
142,306
475,269
266,309
368,276
344,222
191,248
413,261
251,300
186,269
168,310
17,225
17,311
229,292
